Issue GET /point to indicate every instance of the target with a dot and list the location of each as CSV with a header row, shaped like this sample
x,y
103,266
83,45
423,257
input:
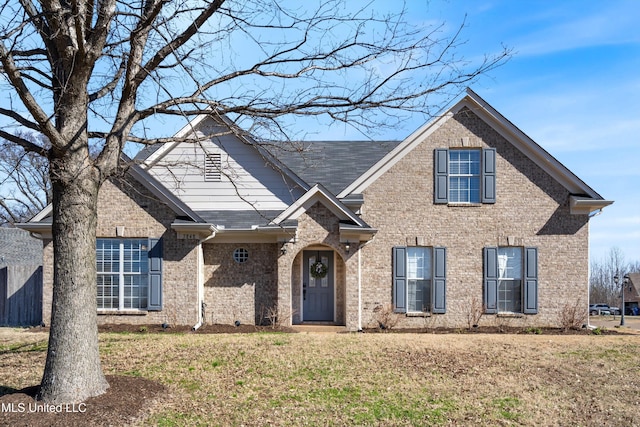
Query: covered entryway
x,y
318,286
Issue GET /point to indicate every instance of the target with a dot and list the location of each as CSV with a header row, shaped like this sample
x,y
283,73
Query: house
x,y
466,217
20,278
632,295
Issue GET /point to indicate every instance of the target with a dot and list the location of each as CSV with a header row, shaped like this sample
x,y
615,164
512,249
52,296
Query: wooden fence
x,y
20,295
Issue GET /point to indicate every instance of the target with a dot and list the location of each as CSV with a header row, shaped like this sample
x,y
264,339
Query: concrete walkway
x,y
319,328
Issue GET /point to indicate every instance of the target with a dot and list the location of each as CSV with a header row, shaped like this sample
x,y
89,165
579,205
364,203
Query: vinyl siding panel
x,y
182,171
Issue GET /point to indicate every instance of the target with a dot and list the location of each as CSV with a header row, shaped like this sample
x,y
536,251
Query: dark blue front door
x,y
317,286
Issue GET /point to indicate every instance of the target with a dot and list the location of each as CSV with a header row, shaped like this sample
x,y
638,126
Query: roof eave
x,y
194,230
581,205
41,230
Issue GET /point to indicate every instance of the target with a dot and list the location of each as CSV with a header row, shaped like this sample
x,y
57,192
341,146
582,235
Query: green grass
x,y
23,347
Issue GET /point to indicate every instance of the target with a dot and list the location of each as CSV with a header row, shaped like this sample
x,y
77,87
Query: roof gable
x,y
247,177
501,125
319,194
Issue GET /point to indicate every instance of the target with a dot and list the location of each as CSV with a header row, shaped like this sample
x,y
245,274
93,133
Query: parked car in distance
x,y
602,309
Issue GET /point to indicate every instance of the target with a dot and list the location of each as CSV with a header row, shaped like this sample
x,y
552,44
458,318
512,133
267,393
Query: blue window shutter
x,y
155,275
530,280
489,175
441,176
491,280
400,279
439,288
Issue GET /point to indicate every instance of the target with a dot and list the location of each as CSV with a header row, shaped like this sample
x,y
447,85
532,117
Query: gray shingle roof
x,y
334,164
238,219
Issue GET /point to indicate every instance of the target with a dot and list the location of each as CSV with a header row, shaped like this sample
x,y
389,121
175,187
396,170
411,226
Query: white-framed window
x,y
122,266
464,176
510,279
418,279
240,255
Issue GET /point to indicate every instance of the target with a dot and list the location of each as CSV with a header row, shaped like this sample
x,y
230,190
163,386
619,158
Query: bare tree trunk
x,y
73,372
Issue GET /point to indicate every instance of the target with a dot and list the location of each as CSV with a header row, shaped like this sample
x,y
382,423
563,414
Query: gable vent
x,y
212,167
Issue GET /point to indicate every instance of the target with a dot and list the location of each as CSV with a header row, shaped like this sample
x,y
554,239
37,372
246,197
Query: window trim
x,y
529,281
400,280
241,255
154,277
469,178
121,273
428,256
487,176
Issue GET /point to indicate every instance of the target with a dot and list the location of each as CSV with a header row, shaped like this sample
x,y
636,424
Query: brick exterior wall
x,y
531,208
319,227
126,203
235,291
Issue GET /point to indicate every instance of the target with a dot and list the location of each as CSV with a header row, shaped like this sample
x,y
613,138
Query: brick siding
x,y
126,203
531,207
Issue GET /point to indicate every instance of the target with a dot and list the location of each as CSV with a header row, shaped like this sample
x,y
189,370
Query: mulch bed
x,y
248,329
126,401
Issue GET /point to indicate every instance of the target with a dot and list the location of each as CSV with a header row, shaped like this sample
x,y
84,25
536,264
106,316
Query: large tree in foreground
x,y
91,75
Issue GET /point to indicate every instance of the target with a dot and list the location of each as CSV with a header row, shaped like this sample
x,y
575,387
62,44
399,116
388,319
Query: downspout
x,y
589,273
200,275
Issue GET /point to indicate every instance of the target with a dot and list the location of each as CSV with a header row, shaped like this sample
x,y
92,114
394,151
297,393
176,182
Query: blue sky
x,y
573,86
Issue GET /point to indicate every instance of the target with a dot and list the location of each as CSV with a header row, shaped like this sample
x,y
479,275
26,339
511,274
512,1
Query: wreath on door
x,y
318,270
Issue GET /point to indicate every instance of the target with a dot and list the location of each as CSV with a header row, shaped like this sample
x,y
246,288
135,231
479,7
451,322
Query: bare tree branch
x,y
91,76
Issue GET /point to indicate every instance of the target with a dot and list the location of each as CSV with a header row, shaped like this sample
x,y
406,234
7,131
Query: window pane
x,y
135,291
108,288
126,259
418,263
419,295
510,263
510,296
510,283
464,176
107,255
419,283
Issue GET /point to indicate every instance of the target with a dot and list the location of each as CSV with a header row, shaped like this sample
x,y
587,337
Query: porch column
x,y
285,312
351,291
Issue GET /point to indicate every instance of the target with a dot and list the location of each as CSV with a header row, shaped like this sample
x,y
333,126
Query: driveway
x,y
610,322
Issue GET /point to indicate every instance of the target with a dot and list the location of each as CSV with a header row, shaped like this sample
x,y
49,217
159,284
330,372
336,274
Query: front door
x,y
317,286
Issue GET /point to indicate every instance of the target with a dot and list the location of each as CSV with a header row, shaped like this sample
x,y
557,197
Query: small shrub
x,y
143,329
597,331
278,318
573,316
475,310
531,330
386,317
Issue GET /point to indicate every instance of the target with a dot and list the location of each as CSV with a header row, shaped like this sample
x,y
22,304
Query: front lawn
x,y
366,379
